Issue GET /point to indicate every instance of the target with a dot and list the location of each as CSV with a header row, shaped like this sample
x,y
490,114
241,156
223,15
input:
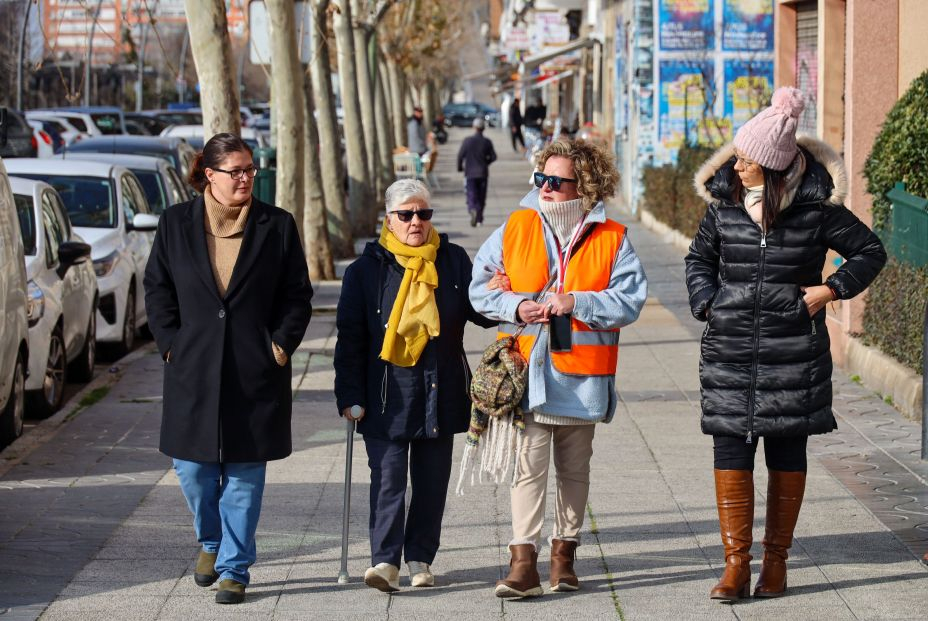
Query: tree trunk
x,y
384,131
365,86
398,91
427,101
315,227
330,151
383,74
360,196
287,78
212,55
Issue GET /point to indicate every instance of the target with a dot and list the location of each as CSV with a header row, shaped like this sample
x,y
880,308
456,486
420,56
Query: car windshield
x,y
77,122
26,222
89,200
154,191
107,123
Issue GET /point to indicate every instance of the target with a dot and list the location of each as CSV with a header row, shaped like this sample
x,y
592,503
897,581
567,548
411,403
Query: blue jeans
x,y
225,500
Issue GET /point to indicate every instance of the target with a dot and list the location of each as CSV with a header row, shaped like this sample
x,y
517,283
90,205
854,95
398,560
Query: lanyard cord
x,y
562,264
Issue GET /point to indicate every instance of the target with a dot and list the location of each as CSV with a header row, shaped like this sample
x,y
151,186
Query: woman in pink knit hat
x,y
754,275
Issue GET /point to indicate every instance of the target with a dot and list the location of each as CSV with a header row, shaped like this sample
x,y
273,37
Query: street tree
x,y
315,220
212,54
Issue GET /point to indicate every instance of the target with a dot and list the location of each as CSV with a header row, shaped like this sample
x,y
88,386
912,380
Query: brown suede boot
x,y
734,497
205,573
784,499
563,577
523,579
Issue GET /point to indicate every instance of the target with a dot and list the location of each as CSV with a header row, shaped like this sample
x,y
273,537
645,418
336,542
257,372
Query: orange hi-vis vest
x,y
526,262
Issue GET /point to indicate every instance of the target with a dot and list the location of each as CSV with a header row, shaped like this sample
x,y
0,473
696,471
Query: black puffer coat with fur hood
x,y
765,365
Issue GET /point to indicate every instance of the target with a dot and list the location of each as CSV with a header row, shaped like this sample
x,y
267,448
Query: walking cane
x,y
346,507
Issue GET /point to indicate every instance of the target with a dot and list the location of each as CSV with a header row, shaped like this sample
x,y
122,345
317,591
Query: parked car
x,y
98,120
134,128
17,138
45,145
490,115
175,149
65,128
161,181
152,124
62,297
248,117
108,208
175,117
463,114
14,344
193,134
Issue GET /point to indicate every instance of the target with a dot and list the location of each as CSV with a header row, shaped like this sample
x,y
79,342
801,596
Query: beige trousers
x,y
573,448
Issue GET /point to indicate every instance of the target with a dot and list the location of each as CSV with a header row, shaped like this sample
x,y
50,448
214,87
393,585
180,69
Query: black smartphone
x,y
559,328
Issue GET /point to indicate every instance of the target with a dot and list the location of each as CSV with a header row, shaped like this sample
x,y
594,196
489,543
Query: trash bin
x,y
266,180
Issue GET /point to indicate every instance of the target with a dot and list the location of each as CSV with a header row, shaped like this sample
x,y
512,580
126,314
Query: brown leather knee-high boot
x,y
523,579
734,497
784,499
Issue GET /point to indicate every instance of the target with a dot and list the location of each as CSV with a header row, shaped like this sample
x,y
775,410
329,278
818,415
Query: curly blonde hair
x,y
594,168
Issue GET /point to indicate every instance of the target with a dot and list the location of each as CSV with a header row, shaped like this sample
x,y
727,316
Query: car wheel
x,y
46,401
128,326
11,419
82,368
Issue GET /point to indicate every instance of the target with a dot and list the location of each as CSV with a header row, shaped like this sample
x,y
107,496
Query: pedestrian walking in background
x,y
474,159
400,356
415,133
754,274
562,238
228,298
515,125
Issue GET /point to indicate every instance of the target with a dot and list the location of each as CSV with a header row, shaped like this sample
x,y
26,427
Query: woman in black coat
x,y
400,359
228,298
754,274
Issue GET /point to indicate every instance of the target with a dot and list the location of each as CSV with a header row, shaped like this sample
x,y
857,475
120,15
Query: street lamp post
x,y
19,65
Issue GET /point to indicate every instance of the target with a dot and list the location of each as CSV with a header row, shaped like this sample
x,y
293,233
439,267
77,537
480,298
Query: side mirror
x,y
71,253
144,222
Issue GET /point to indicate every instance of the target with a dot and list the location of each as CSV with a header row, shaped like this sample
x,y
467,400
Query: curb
x,y
670,235
22,447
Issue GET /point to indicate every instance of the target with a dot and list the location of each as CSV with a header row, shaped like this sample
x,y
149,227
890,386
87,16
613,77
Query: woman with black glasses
x,y
228,300
400,358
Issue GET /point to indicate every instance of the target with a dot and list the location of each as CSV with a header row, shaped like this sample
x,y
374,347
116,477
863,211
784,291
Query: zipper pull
x,y
749,440
763,240
814,331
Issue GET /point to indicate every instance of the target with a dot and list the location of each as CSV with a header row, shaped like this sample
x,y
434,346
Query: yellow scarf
x,y
414,318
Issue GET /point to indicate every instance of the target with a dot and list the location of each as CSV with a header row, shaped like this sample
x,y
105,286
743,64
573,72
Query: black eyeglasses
x,y
405,215
554,182
238,173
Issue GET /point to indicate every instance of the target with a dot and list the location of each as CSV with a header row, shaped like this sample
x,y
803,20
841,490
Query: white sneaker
x,y
383,577
420,574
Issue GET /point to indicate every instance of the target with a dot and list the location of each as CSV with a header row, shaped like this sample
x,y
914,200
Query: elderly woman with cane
x,y
400,358
561,267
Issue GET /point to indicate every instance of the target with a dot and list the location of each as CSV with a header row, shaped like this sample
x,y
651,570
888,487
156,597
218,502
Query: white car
x,y
44,146
162,183
194,135
82,121
108,208
14,345
64,127
61,297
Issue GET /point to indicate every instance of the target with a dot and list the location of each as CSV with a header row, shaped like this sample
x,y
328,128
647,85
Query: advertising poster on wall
x,y
549,30
748,87
747,25
686,25
687,88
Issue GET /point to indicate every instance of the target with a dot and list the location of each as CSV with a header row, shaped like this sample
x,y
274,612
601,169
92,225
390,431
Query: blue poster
x,y
687,92
747,25
748,87
687,25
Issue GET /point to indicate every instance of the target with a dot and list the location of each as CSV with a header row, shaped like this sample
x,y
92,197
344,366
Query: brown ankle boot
x,y
734,497
523,579
563,577
784,499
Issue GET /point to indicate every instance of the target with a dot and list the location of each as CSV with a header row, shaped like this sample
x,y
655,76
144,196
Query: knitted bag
x,y
500,379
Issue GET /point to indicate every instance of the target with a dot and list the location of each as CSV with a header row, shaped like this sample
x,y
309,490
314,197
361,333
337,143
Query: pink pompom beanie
x,y
770,137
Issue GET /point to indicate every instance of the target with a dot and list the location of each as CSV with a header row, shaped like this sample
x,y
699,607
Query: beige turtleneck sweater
x,y
225,229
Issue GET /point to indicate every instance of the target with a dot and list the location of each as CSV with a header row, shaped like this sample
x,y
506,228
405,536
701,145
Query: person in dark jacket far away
x,y
400,357
228,299
474,159
515,125
754,274
415,133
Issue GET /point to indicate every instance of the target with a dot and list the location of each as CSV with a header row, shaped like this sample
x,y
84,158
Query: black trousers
x,y
783,454
476,195
393,533
516,134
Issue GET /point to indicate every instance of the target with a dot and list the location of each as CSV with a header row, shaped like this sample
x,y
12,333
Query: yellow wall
x,y
913,44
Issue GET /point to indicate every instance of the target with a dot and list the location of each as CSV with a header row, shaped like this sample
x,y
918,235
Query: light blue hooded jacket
x,y
550,392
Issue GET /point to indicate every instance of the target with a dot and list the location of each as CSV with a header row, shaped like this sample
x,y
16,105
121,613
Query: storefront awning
x,y
552,78
529,64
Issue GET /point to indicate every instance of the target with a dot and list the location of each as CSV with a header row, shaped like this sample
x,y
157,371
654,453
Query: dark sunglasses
x,y
554,182
405,215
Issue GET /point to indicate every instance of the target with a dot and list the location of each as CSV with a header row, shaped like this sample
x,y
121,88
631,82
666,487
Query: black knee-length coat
x,y
225,397
765,365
